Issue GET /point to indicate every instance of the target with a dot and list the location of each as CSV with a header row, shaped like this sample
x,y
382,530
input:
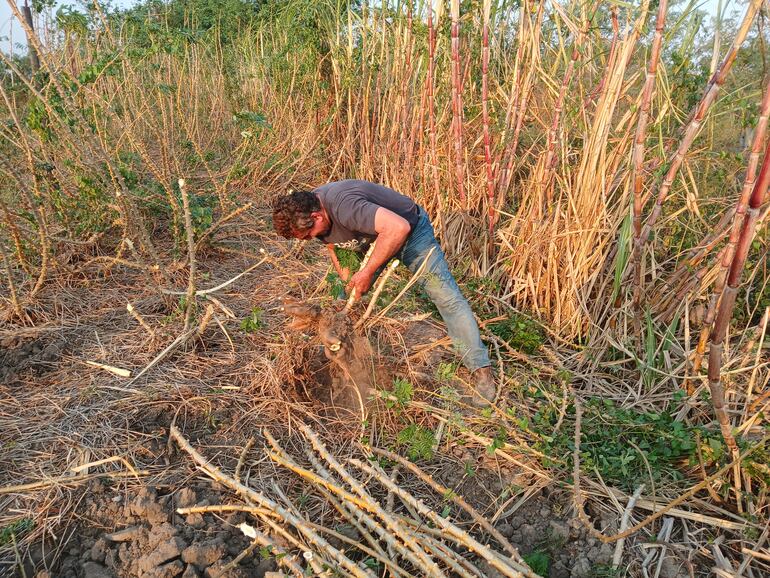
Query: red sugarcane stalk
x,y
727,302
431,102
644,113
641,134
693,127
513,102
406,85
485,119
457,106
525,93
728,252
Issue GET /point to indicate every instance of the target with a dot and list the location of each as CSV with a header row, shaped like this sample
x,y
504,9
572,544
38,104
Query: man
x,y
351,214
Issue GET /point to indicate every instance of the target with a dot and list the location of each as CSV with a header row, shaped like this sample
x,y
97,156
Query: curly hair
x,y
291,213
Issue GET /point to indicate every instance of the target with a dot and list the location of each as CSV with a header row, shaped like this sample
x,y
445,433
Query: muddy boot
x,y
484,387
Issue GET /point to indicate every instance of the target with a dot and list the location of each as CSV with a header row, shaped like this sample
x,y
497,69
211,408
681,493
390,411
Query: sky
x,y
9,28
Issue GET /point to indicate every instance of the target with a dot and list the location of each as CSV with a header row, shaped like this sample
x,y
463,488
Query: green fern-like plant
x,y
403,391
419,441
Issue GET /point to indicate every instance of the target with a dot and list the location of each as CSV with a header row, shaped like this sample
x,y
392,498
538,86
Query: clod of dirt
x,y
190,572
559,570
170,570
161,554
204,554
126,534
582,568
38,356
99,550
559,530
94,570
147,507
185,498
217,571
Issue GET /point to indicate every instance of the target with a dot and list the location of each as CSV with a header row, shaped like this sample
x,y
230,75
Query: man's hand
x,y
360,282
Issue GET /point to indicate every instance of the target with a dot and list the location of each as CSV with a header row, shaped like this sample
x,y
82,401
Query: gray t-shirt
x,y
351,206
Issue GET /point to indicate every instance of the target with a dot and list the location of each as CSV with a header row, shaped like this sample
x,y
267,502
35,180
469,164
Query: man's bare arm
x,y
392,231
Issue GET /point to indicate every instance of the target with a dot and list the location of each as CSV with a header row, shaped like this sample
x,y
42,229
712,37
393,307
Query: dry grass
x,y
226,388
541,148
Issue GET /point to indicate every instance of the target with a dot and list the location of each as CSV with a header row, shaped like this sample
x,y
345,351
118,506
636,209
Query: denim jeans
x,y
442,289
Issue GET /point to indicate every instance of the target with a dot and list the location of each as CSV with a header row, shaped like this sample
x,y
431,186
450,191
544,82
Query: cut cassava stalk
x,y
34,199
261,500
190,295
352,298
380,286
15,305
390,521
444,491
359,518
507,567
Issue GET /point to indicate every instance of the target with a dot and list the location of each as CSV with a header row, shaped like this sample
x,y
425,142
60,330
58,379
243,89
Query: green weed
x,y
419,442
253,322
18,528
539,561
624,446
520,332
403,391
446,371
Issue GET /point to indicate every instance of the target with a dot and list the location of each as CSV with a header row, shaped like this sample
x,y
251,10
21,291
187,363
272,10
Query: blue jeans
x,y
441,287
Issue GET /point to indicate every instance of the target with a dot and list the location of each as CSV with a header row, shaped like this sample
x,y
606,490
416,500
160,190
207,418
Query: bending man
x,y
351,214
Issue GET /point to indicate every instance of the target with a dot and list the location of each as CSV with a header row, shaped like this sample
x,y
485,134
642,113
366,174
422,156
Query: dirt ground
x,y
100,481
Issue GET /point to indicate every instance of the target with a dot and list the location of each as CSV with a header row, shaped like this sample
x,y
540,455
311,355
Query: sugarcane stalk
x,y
727,303
526,91
553,133
641,134
457,105
610,59
693,128
431,102
739,213
513,101
486,9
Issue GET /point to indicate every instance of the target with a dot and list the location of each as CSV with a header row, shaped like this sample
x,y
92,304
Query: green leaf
x,y
621,258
